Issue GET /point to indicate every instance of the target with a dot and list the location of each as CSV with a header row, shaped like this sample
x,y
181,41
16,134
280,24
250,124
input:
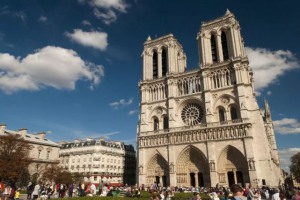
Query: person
x,y
104,191
251,195
196,196
161,195
29,188
12,193
282,196
275,196
93,189
100,187
17,195
35,192
238,192
296,195
70,190
2,187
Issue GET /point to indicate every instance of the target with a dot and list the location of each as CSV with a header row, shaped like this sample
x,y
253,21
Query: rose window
x,y
192,114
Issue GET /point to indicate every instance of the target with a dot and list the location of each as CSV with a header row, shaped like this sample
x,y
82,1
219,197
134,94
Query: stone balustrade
x,y
201,133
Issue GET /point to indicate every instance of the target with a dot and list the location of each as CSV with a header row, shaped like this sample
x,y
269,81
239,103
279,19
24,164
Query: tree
x,y
14,157
295,166
57,174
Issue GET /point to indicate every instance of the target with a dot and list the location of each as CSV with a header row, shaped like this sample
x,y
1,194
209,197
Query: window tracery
x,y
192,114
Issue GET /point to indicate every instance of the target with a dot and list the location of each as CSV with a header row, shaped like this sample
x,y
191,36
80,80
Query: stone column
x,y
161,181
159,60
235,176
196,179
219,47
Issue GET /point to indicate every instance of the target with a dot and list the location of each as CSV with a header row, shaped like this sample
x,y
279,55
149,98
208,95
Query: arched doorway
x,y
232,167
192,168
158,171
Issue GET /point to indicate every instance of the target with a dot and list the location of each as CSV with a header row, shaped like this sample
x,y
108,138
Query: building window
x,y
213,46
166,122
233,113
224,46
48,155
156,124
222,115
39,153
155,65
90,159
164,62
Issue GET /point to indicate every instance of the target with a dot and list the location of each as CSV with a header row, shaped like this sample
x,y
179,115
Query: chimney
x,y
41,135
23,132
2,128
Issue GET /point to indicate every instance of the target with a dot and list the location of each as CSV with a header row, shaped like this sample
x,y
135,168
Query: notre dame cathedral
x,y
203,127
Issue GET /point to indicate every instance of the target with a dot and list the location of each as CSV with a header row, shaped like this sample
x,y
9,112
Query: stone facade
x,y
44,152
99,160
203,127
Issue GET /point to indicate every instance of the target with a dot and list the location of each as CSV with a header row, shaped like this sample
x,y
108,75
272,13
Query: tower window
x,y
222,115
164,62
166,122
224,46
156,124
155,65
213,45
233,113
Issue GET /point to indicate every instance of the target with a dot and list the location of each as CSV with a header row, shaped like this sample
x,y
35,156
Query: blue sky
x,y
71,68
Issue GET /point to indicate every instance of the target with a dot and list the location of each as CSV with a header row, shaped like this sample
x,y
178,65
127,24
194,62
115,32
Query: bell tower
x,y
162,56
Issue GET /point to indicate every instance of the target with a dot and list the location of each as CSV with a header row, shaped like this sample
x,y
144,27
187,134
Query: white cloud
x,y
22,15
269,65
133,112
106,9
285,157
95,39
287,126
86,23
108,17
42,19
47,67
121,102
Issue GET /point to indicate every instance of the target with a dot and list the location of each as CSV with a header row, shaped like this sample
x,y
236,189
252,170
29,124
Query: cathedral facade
x,y
203,127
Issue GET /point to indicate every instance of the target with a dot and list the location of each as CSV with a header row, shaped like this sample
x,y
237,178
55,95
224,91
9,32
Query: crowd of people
x,y
235,192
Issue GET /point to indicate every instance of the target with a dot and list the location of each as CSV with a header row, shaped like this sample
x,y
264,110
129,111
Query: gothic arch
x,y
191,160
224,100
157,167
232,167
233,111
158,112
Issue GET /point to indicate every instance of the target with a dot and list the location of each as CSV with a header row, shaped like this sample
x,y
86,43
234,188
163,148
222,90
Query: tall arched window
x,y
164,62
166,122
233,113
155,65
222,117
224,46
156,124
213,46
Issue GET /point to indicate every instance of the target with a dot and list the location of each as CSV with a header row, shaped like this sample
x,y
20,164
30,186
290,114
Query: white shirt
x,y
36,189
275,196
93,188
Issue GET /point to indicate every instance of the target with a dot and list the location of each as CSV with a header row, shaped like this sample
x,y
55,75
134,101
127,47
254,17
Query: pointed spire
x,y
227,12
267,110
149,38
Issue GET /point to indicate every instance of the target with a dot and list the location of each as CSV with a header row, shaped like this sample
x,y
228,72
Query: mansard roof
x,y
96,142
32,138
